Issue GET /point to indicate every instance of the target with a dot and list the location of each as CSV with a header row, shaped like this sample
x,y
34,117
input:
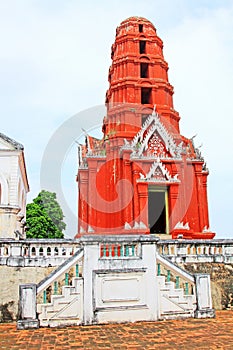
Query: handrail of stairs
x,y
175,269
64,267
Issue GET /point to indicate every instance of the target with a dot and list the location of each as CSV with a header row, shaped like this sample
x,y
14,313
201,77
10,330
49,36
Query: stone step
x,y
170,285
178,299
68,290
182,299
58,304
161,281
68,311
173,302
176,314
71,321
178,291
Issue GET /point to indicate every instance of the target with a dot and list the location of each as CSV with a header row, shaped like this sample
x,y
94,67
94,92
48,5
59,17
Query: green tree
x,y
45,217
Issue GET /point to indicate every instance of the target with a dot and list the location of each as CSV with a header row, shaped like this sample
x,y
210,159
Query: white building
x,y
13,188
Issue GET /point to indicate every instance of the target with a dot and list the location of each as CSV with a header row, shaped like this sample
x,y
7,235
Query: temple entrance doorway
x,y
158,210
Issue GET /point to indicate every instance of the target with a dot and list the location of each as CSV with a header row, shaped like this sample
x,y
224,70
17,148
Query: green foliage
x,y
45,217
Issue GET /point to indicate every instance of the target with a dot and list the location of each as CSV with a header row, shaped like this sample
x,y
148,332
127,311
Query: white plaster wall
x,y
120,289
13,192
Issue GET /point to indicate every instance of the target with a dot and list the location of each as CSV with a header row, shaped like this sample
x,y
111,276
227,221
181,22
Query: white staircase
x,y
138,285
173,302
65,309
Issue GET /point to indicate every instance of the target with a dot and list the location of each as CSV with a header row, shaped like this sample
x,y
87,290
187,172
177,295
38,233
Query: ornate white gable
x,y
159,173
153,131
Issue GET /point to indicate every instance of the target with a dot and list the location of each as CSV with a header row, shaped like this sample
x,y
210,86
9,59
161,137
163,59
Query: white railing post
x,y
90,262
27,307
203,295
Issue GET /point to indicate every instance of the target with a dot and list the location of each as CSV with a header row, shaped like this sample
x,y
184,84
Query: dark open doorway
x,y
157,211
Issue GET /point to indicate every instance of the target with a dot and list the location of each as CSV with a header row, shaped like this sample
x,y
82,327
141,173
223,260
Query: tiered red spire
x,y
138,75
143,176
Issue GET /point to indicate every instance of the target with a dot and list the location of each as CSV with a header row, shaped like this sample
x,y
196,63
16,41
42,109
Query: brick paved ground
x,y
181,334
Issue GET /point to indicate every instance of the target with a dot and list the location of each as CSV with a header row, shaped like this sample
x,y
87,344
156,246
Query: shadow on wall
x,y
5,314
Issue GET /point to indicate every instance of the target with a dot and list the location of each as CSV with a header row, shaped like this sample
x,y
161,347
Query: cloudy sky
x,y
54,60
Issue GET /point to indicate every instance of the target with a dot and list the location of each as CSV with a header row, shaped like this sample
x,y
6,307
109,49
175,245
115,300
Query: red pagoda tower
x,y
143,176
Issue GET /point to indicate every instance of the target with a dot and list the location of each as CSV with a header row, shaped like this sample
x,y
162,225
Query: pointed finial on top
x,y
154,111
193,137
84,131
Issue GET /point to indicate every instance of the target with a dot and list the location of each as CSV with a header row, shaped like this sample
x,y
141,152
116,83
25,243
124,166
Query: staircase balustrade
x,y
175,274
60,295
176,288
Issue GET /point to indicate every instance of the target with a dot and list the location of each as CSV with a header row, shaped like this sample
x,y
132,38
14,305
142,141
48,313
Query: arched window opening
x,y
48,251
6,251
25,251
33,251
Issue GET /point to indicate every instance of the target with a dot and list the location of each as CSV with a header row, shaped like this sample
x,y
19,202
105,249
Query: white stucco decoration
x,y
155,166
142,225
182,226
136,225
142,177
205,229
127,226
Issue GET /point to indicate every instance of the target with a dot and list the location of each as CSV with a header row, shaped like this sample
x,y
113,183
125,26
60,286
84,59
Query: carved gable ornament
x,y
154,137
156,146
159,173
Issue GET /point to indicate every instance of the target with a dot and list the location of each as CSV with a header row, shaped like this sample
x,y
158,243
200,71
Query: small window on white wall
x,y
19,191
4,190
22,201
